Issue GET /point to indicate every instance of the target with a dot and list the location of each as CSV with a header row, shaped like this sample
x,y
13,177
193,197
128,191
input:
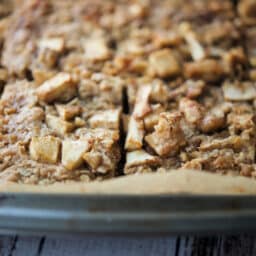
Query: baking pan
x,y
175,214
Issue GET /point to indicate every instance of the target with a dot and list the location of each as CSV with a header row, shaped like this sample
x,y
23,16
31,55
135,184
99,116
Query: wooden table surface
x,y
127,246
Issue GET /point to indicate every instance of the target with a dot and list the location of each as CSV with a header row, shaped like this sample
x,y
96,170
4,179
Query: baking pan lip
x,y
126,214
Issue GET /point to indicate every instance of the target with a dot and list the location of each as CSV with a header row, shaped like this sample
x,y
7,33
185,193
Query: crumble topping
x,y
96,89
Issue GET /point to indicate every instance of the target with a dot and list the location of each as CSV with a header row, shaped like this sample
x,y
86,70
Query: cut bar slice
x,y
180,74
38,144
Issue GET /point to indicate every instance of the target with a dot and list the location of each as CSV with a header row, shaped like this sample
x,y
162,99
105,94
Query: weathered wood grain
x,y
238,245
200,246
244,245
7,244
109,246
26,246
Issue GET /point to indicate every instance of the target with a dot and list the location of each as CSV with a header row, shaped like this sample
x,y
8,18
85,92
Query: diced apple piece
x,y
239,91
168,136
96,49
212,122
134,139
142,106
79,122
196,49
151,119
67,112
207,69
41,75
60,87
93,159
72,153
163,63
109,119
194,88
140,157
45,149
3,74
159,92
137,10
60,126
55,43
192,110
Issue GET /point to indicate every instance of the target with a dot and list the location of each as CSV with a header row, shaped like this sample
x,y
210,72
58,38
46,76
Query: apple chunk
x,y
72,153
45,149
60,87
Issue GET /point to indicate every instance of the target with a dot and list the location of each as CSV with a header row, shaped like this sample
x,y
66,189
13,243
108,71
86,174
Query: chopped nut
x,y
140,157
168,136
109,119
142,106
72,153
54,43
45,149
67,112
196,49
60,126
60,87
208,70
192,110
134,139
163,63
239,91
212,122
96,49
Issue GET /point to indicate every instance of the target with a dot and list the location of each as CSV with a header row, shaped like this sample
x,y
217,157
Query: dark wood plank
x,y
200,246
109,246
26,246
7,244
243,245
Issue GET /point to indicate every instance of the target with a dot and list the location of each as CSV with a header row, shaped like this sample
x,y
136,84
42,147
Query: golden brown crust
x,y
173,182
185,89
